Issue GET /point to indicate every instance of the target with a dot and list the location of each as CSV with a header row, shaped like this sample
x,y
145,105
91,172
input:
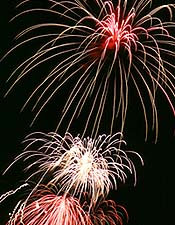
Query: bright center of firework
x,y
116,30
113,32
85,164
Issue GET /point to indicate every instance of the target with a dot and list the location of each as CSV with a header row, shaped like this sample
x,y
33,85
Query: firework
x,y
45,207
101,48
78,165
108,212
105,211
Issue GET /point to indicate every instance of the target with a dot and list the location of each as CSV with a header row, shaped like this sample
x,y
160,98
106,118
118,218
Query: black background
x,y
148,203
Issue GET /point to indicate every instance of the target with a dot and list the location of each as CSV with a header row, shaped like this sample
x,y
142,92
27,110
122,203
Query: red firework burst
x,y
106,212
47,208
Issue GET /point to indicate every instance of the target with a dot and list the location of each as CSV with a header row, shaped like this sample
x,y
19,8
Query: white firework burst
x,y
78,165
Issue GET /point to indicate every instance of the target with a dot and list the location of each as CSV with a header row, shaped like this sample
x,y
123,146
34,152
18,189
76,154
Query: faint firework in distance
x,y
106,211
101,48
78,165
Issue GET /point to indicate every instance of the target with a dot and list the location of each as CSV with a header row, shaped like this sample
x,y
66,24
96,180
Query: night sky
x,y
149,202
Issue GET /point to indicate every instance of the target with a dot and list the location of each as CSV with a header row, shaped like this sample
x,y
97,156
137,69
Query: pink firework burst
x,y
78,165
47,208
101,49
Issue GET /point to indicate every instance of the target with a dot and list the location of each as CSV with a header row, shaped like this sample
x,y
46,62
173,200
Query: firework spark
x,y
100,49
45,207
78,165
